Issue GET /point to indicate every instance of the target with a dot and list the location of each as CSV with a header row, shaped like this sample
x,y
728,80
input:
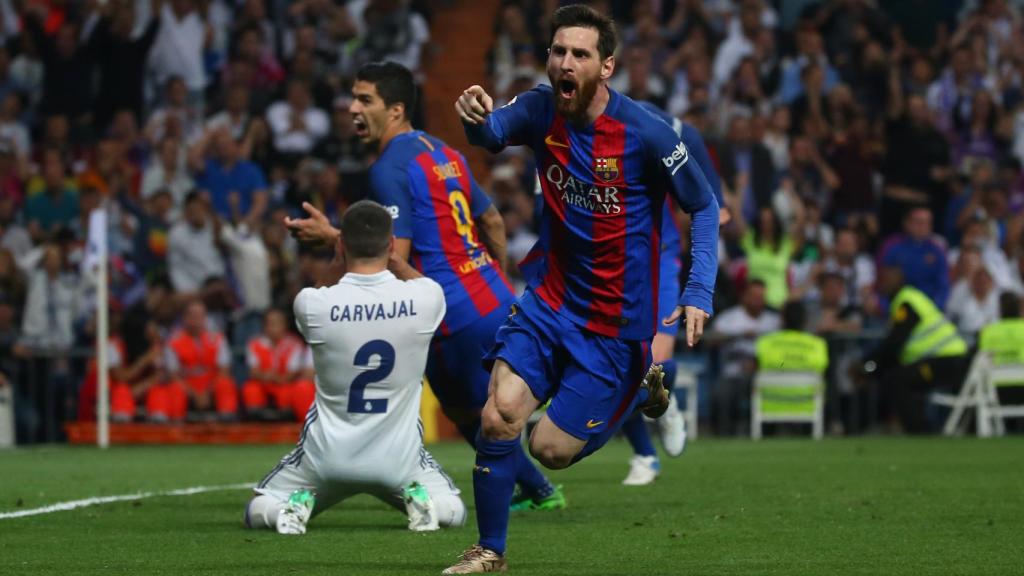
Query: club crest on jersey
x,y
606,169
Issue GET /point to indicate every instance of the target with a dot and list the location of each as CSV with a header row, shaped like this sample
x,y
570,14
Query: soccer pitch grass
x,y
853,506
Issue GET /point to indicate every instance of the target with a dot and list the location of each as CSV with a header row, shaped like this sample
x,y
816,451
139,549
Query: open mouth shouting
x,y
566,88
360,124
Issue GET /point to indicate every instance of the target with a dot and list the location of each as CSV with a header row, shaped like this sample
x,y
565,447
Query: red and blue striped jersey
x,y
434,201
604,186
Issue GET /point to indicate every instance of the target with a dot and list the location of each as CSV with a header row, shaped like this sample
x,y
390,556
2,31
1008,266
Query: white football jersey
x,y
369,335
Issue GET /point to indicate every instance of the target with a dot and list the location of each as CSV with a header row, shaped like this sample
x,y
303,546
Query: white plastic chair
x,y
778,396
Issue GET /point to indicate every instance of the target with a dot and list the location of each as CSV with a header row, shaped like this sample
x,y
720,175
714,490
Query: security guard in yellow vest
x,y
1004,340
791,349
922,352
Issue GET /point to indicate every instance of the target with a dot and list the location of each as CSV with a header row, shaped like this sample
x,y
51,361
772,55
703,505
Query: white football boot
x,y
293,518
672,429
419,507
643,470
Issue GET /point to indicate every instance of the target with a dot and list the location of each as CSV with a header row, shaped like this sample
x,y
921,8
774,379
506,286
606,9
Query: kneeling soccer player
x,y
369,333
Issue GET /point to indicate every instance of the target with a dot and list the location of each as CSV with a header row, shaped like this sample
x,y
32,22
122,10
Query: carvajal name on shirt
x,y
370,312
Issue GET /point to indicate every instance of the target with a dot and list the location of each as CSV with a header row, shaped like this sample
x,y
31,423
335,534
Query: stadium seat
x,y
980,393
779,396
970,397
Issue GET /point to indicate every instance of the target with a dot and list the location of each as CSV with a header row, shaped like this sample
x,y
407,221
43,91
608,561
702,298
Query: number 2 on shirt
x,y
356,403
463,217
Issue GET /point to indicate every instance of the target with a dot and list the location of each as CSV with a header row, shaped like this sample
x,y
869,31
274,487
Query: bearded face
x,y
576,70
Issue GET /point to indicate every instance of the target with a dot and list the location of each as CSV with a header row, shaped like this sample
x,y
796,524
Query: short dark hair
x,y
794,317
394,83
582,16
366,227
1009,305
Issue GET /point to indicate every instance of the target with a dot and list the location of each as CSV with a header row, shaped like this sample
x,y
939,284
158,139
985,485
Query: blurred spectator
x,y
237,188
52,304
178,48
264,73
739,42
769,249
13,236
856,269
8,85
250,268
296,124
12,283
812,178
394,32
235,115
835,314
121,58
56,206
12,188
152,224
167,172
809,71
27,68
176,118
276,361
776,137
921,352
920,255
736,330
12,131
67,67
109,172
197,361
974,300
141,370
637,80
192,254
747,169
916,163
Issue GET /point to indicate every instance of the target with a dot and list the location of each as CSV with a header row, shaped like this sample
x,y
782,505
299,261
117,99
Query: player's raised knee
x,y
551,456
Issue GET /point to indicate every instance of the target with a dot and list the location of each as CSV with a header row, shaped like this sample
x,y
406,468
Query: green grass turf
x,y
858,506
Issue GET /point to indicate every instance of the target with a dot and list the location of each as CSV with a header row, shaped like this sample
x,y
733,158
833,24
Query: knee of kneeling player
x,y
261,512
451,511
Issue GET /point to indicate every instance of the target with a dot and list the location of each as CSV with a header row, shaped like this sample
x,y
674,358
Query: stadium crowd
x,y
850,135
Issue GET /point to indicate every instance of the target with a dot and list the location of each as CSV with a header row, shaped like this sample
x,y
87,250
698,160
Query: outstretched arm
x,y
314,230
510,125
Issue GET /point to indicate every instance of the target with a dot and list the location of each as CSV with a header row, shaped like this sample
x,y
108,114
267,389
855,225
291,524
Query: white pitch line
x,y
96,500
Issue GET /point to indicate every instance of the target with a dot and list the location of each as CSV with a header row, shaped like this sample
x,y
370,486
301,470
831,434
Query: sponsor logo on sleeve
x,y
676,159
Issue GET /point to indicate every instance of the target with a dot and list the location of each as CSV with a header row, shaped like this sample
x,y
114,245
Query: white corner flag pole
x,y
96,255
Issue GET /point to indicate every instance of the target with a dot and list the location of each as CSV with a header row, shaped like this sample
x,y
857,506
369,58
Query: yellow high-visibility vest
x,y
792,351
934,336
1004,340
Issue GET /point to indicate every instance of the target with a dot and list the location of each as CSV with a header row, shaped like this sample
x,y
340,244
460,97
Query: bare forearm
x,y
492,234
401,268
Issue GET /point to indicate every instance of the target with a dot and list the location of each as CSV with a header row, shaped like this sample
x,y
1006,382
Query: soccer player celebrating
x,y
644,467
580,336
448,228
369,333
